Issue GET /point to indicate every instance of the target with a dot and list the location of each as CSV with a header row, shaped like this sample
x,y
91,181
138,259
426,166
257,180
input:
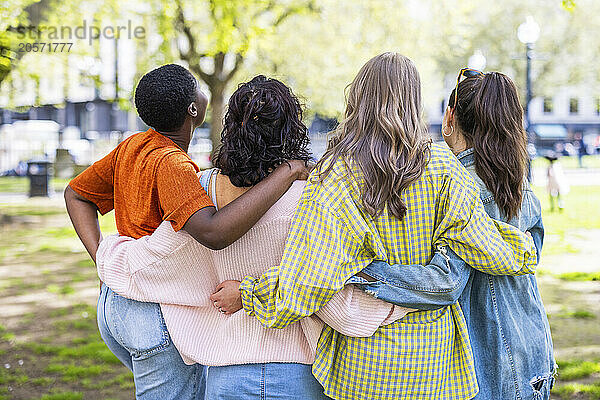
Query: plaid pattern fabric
x,y
425,355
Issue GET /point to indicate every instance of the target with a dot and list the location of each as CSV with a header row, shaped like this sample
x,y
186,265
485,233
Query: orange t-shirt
x,y
146,179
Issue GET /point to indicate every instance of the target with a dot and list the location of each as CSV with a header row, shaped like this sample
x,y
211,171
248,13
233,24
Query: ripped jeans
x,y
541,386
136,334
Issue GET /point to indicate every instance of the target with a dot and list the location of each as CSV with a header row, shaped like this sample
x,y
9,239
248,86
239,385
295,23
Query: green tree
x,y
16,14
318,55
214,37
564,52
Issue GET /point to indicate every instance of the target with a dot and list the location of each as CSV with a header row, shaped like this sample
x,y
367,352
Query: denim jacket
x,y
506,320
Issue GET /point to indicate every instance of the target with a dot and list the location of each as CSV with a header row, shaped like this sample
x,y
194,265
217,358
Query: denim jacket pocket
x,y
138,326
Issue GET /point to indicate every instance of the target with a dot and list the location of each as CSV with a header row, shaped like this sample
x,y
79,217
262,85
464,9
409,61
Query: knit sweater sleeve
x,y
352,312
157,268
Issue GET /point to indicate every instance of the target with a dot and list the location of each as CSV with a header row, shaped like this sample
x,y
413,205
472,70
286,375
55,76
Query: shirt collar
x,y
466,157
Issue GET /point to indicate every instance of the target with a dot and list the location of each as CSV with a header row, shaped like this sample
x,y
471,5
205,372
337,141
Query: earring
x,y
451,132
192,110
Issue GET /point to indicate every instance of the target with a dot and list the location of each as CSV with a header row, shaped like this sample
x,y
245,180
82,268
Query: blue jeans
x,y
136,333
269,381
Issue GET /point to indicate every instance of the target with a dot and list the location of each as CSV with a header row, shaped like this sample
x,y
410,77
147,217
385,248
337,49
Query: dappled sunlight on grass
x,y
71,356
581,390
51,339
580,276
570,370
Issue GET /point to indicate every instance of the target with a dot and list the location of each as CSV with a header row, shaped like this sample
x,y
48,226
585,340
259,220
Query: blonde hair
x,y
382,132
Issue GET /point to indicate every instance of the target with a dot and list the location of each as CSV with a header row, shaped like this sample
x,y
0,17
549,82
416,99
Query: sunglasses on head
x,y
464,74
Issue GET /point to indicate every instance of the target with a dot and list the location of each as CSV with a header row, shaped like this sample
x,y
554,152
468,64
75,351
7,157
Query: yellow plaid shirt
x,y
425,355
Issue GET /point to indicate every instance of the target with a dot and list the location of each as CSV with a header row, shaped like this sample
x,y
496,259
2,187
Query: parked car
x,y
550,138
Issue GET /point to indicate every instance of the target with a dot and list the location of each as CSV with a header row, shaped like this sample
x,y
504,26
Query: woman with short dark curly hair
x,y
263,127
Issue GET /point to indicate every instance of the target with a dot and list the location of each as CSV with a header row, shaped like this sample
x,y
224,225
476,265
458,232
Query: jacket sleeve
x,y
423,287
536,226
321,254
442,281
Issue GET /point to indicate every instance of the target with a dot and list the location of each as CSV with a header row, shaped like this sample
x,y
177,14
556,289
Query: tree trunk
x,y
217,107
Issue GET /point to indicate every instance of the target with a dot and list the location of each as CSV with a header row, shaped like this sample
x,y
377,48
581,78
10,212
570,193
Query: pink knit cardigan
x,y
172,269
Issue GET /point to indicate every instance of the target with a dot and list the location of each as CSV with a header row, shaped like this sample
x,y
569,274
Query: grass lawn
x,y
581,213
19,184
568,162
50,347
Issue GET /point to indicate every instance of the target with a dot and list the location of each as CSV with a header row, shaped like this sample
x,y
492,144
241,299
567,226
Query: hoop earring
x,y
451,132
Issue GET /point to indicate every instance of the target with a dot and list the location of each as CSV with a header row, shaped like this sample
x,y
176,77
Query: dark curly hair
x,y
263,128
163,95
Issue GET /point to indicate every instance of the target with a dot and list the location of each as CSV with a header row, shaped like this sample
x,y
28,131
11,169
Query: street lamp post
x,y
528,33
477,61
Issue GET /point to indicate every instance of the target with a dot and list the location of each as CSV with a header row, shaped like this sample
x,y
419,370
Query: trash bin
x,y
38,172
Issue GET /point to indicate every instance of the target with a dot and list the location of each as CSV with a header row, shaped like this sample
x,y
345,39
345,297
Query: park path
x,y
574,176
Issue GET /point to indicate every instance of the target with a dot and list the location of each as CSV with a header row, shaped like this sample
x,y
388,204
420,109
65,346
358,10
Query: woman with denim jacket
x,y
506,320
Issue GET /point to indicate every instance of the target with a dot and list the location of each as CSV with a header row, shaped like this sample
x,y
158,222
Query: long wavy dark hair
x,y
382,132
262,128
490,116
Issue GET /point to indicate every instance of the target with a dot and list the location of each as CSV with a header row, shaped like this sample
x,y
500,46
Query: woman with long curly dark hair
x,y
263,128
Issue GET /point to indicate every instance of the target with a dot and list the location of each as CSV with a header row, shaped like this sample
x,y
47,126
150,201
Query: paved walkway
x,y
55,199
575,177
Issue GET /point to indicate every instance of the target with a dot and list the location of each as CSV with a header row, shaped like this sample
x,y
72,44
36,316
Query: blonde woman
x,y
383,192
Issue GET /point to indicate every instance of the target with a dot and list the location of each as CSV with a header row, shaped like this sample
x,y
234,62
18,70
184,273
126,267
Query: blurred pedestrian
x,y
581,148
557,184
